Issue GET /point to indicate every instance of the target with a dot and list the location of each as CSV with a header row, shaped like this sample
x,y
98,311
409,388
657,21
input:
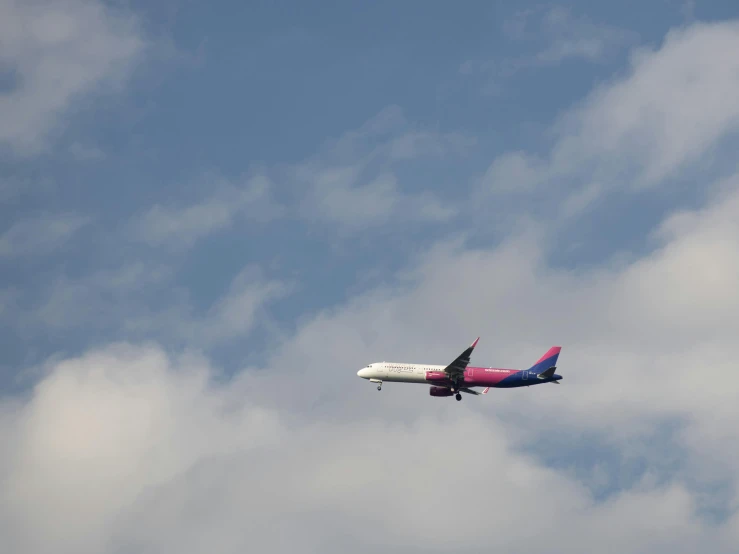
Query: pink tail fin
x,y
547,360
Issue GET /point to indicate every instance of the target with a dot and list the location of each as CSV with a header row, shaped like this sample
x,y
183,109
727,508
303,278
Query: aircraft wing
x,y
457,367
471,391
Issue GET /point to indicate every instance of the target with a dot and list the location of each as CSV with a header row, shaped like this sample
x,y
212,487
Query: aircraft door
x,y
525,374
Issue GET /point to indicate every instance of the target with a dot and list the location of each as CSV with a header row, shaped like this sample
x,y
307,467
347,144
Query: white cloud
x,y
514,172
687,10
579,37
85,152
673,108
126,449
349,184
100,300
67,310
352,184
334,197
154,455
180,227
122,302
581,200
675,104
57,52
239,309
644,341
557,36
415,144
40,235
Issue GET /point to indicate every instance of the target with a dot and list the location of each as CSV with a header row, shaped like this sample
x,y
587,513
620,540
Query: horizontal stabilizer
x,y
548,373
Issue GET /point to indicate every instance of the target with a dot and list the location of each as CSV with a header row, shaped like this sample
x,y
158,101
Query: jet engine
x,y
440,391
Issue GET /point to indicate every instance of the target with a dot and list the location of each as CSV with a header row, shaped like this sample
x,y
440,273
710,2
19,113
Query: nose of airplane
x,y
362,373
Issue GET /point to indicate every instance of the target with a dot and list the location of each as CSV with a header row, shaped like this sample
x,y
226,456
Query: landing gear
x,y
379,387
458,397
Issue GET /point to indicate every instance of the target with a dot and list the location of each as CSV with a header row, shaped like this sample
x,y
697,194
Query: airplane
x,y
456,377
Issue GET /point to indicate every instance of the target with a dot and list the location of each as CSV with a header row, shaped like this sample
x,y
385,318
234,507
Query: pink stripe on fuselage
x,y
473,376
486,376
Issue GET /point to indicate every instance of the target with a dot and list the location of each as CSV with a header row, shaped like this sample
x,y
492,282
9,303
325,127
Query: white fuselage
x,y
398,372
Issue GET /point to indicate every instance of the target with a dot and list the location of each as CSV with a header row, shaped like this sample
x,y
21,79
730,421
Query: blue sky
x,y
212,216
223,95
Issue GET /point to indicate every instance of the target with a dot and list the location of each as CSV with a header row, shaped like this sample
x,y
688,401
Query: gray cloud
x,y
179,227
58,52
141,299
658,121
335,197
352,184
239,310
349,184
555,36
578,37
172,461
673,107
104,299
40,235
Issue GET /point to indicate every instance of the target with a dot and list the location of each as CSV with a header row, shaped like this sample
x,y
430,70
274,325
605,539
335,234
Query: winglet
x,y
488,388
475,343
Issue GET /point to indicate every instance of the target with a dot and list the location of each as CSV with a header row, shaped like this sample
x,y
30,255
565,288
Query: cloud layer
x,y
51,55
174,458
669,112
149,446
